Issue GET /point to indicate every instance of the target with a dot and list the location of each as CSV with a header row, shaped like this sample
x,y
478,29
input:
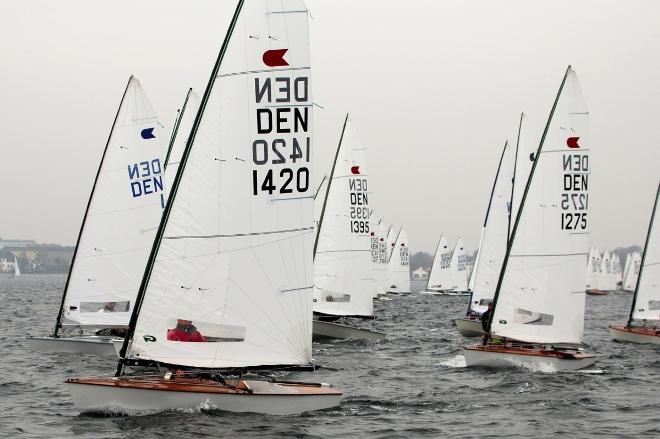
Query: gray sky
x,y
434,88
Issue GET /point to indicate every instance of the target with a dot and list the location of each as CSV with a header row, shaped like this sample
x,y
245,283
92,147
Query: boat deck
x,y
533,351
203,385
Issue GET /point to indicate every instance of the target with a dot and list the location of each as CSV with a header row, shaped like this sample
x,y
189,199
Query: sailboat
x,y
379,258
592,272
439,277
645,308
543,270
228,284
492,246
630,278
17,269
398,266
344,285
116,234
457,280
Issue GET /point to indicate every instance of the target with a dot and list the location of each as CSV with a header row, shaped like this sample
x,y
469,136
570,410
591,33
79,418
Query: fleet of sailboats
x,y
215,257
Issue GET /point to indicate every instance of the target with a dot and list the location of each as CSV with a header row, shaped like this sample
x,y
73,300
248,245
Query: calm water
x,y
412,385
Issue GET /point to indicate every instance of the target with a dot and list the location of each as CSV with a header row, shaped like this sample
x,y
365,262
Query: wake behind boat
x,y
247,303
543,271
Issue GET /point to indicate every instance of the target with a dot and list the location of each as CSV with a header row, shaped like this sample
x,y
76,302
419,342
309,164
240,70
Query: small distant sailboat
x,y
439,277
398,266
630,278
458,271
117,231
228,284
543,271
344,284
17,268
645,308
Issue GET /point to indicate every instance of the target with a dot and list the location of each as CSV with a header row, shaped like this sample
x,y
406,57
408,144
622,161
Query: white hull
x,y
267,398
84,344
621,334
540,363
321,330
469,328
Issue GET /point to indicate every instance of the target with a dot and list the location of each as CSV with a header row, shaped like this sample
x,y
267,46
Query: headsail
x,y
121,219
233,254
543,273
343,279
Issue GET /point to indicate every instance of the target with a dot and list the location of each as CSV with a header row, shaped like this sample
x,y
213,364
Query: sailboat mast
x,y
522,200
175,186
327,192
641,264
89,202
513,179
175,129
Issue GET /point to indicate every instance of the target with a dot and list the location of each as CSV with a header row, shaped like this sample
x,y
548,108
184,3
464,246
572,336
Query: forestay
x,y
647,299
544,273
235,258
399,265
121,221
440,277
343,277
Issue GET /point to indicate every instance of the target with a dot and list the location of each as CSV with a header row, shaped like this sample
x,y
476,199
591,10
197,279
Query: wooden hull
x,y
325,330
500,356
635,334
597,293
84,344
469,327
151,395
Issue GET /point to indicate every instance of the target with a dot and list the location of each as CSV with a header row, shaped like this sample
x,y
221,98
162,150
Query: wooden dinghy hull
x,y
635,334
84,344
134,396
501,356
469,327
325,330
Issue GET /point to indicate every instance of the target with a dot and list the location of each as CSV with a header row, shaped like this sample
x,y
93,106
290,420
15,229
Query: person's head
x,y
109,306
185,325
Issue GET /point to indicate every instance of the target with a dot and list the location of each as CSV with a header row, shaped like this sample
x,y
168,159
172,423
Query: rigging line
x,y
575,152
289,106
247,72
292,198
274,232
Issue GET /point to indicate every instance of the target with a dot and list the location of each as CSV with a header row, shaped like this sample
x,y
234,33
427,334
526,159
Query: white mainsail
x,y
440,275
233,256
343,278
630,280
606,279
17,269
121,220
544,271
494,235
592,271
625,269
379,257
181,133
457,268
399,265
646,305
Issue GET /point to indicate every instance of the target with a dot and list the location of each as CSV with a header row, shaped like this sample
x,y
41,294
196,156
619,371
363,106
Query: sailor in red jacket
x,y
185,331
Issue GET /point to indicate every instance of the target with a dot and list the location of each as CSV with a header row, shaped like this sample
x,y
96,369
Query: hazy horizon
x,y
434,89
